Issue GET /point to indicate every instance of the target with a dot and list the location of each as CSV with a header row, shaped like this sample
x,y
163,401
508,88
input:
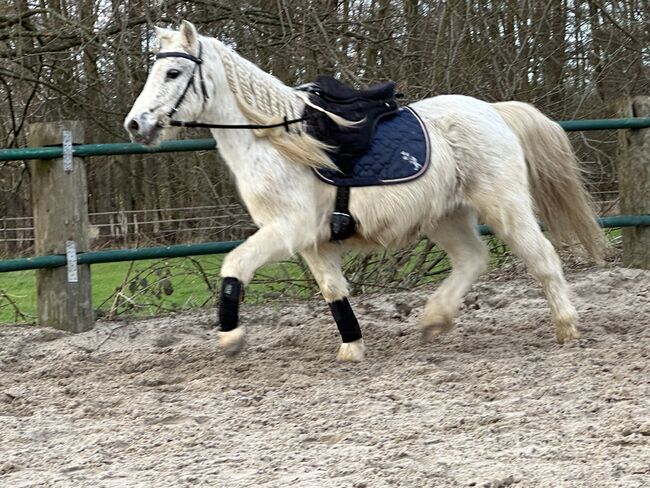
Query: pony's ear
x,y
189,36
164,35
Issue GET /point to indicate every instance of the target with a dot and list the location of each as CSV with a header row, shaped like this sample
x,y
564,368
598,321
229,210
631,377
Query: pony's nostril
x,y
133,125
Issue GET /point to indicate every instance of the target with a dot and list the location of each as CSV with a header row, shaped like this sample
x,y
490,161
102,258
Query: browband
x,y
178,54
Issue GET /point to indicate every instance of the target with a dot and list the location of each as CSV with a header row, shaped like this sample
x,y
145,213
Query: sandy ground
x,y
496,402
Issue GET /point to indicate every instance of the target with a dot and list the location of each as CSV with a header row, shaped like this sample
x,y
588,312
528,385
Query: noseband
x,y
198,63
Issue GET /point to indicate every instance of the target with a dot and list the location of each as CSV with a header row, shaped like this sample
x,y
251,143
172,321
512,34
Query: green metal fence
x,y
117,255
183,250
85,150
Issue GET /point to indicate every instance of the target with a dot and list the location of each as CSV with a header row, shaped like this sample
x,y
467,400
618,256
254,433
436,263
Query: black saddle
x,y
335,91
363,106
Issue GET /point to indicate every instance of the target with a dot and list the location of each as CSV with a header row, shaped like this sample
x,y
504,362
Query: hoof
x,y
566,333
351,352
431,331
232,342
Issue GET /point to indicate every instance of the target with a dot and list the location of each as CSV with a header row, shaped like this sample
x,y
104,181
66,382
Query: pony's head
x,y
175,86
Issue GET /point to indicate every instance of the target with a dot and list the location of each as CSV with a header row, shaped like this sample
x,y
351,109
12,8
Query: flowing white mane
x,y
264,99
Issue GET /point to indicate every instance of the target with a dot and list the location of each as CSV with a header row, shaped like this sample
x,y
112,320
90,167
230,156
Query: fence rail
x,y
112,149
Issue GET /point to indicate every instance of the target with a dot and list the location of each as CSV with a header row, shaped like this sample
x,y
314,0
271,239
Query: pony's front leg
x,y
326,266
268,244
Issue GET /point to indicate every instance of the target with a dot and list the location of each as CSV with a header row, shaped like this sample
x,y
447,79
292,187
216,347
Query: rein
x,y
198,64
192,124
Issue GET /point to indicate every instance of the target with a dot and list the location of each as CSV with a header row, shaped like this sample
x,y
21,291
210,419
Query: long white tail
x,y
562,202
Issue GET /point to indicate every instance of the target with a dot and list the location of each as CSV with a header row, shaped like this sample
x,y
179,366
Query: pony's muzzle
x,y
143,128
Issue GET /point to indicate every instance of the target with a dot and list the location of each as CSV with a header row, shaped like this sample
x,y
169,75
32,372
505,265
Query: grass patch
x,y
154,286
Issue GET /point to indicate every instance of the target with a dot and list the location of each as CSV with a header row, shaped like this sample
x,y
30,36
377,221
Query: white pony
x,y
500,161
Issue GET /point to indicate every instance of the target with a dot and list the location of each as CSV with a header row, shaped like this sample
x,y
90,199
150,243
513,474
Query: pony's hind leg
x,y
325,263
514,222
457,235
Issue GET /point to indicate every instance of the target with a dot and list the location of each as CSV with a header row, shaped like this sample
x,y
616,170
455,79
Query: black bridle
x,y
198,65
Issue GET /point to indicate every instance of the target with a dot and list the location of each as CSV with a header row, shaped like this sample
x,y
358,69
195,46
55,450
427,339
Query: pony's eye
x,y
172,74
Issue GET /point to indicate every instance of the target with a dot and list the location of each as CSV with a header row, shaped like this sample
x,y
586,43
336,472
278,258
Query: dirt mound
x,y
496,402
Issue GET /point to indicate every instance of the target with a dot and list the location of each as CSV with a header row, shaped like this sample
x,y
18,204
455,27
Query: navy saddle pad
x,y
399,152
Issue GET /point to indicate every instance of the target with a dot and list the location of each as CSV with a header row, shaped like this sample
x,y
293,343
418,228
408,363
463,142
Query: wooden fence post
x,y
60,206
633,170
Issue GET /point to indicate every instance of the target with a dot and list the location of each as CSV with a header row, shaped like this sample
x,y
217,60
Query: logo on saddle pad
x,y
399,152
411,159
